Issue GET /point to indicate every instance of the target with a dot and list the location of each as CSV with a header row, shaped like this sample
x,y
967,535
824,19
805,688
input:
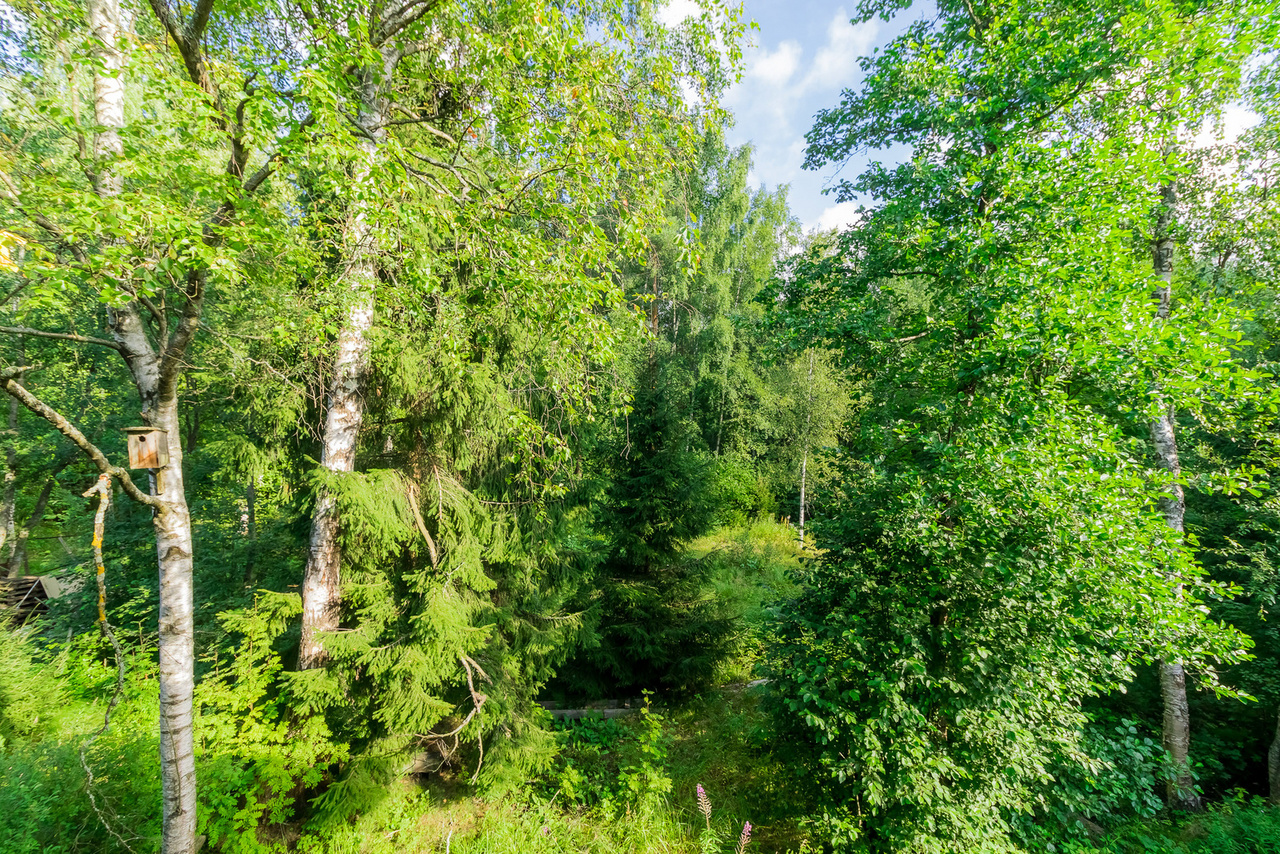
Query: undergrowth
x,y
682,778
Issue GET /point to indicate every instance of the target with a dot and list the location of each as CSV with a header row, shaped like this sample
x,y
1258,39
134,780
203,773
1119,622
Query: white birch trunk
x,y
804,468
173,523
9,505
251,531
177,648
108,94
1180,788
321,588
804,460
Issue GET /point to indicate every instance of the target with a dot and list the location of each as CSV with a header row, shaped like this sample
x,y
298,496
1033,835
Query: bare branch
x,y
162,321
422,122
9,377
189,48
254,181
413,48
61,336
176,347
170,22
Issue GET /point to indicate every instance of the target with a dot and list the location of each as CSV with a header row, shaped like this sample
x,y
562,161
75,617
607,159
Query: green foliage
x,y
418,821
657,626
992,552
256,754
612,764
1117,783
738,491
1239,825
44,803
28,691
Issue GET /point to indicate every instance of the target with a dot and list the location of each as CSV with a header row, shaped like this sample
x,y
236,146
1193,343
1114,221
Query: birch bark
x,y
9,502
321,587
1180,788
154,376
804,460
251,531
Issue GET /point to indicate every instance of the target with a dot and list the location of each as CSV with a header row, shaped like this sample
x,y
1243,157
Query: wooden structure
x,y
148,448
24,597
598,709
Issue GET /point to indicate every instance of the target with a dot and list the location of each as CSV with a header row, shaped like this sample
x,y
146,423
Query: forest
x,y
424,432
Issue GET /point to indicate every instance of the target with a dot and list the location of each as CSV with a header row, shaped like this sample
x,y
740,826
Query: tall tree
x,y
993,318
150,252
456,117
1176,733
387,33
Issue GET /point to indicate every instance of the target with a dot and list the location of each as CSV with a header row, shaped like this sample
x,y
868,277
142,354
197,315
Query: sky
x,y
804,54
799,60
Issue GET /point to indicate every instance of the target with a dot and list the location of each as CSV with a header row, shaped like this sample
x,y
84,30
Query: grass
x,y
714,740
1238,825
618,785
751,569
589,801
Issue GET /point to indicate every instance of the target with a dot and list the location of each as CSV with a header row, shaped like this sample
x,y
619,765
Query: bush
x,y
610,763
1239,825
51,708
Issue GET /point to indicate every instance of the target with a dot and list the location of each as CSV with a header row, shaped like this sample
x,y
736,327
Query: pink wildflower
x,y
704,805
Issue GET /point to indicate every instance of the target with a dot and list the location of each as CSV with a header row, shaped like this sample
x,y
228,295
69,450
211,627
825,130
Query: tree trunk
x,y
177,647
155,379
804,460
251,532
18,560
108,95
8,503
1180,790
1273,767
804,471
321,591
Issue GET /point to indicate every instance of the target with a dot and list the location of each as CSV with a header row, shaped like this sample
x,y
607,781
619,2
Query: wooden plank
x,y
580,714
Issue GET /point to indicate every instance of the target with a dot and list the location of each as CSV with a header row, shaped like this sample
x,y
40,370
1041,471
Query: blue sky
x,y
803,55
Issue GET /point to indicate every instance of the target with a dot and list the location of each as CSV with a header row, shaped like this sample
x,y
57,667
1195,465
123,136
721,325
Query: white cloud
x,y
774,69
840,215
783,85
836,64
675,12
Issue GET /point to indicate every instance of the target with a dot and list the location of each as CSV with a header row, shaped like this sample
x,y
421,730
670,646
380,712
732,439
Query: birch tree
x,y
110,226
566,133
390,37
989,306
1176,734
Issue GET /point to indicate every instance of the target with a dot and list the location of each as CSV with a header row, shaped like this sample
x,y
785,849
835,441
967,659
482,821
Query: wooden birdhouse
x,y
148,448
